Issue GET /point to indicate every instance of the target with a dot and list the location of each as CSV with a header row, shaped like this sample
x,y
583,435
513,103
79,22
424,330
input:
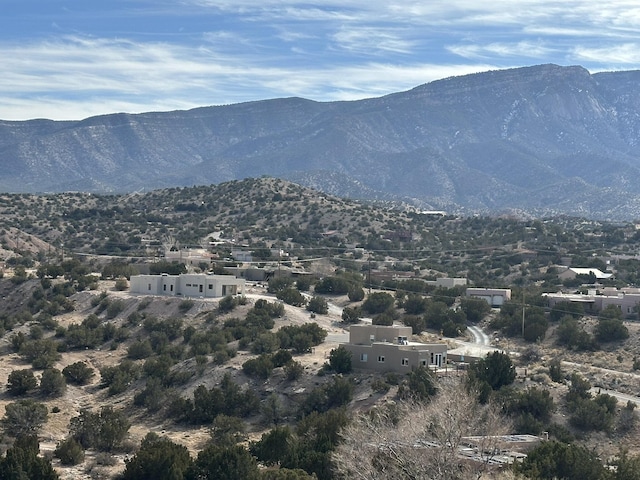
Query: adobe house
x,y
388,349
187,285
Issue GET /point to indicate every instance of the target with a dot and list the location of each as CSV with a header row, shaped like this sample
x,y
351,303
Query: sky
x,y
72,59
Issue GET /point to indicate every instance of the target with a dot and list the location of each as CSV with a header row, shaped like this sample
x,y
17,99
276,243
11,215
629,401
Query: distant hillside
x,y
543,140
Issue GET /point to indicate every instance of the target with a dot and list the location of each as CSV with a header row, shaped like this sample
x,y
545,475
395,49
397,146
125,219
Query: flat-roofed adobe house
x,y
187,285
388,349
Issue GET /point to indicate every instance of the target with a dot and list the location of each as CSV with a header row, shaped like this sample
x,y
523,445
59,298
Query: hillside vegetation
x,y
111,384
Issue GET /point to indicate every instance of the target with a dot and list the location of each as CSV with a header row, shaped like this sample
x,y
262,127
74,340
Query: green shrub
x,y
40,353
293,370
139,350
333,286
24,418
277,284
121,284
281,358
158,458
78,373
267,342
420,385
228,399
356,294
260,367
378,302
69,451
186,305
350,315
115,308
382,319
303,284
380,386
318,305
555,371
152,396
119,377
291,296
52,383
340,360
227,304
20,382
104,430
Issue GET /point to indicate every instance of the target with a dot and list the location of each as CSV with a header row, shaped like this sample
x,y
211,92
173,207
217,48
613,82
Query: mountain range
x,y
541,140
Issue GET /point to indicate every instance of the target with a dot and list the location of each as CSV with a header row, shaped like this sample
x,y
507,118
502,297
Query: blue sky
x,y
73,59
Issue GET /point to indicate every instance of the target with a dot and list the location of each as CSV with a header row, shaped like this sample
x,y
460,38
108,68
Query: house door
x,y
438,359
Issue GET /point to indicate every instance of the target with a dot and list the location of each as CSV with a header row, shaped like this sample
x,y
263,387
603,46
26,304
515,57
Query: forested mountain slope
x,y
543,139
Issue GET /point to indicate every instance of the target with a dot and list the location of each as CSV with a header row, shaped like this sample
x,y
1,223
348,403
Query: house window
x,y
149,286
210,287
423,363
380,358
171,288
200,289
187,284
363,357
372,338
405,362
431,362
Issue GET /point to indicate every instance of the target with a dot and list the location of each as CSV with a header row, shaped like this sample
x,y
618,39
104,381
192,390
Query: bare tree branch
x,y
416,440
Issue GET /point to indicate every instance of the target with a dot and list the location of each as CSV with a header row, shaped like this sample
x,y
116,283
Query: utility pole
x,y
523,313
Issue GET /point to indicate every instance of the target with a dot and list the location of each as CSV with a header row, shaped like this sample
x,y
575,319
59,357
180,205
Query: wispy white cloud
x,y
82,77
373,40
201,52
525,49
626,54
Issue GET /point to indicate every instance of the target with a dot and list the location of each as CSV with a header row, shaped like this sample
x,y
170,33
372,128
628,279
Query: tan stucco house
x,y
388,349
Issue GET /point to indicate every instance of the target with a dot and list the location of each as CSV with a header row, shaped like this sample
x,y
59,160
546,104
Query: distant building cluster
x,y
594,301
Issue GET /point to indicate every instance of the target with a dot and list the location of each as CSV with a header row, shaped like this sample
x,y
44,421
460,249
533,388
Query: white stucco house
x,y
493,296
187,285
572,272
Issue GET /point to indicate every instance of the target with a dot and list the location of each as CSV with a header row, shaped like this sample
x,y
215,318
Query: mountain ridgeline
x,y
543,140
